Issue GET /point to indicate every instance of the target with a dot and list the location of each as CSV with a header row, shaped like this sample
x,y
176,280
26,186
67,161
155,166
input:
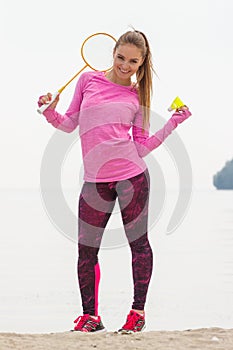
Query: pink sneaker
x,y
134,323
88,324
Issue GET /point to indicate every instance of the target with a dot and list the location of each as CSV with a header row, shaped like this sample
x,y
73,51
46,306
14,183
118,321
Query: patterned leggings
x,y
96,203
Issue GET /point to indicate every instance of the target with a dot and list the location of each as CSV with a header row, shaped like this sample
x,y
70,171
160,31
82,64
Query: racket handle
x,y
42,108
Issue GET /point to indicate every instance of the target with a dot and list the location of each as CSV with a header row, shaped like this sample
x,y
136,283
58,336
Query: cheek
x,y
116,61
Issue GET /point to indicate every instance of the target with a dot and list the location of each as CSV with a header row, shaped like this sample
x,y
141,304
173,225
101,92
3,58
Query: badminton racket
x,y
89,45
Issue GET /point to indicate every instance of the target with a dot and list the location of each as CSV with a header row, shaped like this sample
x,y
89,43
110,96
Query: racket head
x,y
91,46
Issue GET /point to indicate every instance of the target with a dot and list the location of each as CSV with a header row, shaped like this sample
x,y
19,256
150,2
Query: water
x,y
191,286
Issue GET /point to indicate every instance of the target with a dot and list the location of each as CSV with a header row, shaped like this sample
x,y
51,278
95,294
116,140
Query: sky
x,y
192,48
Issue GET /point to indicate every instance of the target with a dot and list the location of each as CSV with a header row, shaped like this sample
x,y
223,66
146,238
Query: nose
x,y
125,65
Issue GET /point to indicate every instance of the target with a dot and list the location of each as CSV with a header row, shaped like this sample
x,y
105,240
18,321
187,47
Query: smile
x,y
124,71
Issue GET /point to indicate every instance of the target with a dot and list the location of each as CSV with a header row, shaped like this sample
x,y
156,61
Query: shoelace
x,y
90,324
131,321
81,320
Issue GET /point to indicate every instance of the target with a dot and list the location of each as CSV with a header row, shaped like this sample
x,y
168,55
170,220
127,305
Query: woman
x,y
107,106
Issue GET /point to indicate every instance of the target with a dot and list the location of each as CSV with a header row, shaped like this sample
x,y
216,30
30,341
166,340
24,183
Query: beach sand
x,y
205,338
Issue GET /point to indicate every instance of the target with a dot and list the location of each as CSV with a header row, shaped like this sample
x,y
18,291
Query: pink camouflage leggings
x,y
96,203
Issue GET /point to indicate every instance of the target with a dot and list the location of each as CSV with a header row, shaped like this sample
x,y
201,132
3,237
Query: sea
x,y
191,285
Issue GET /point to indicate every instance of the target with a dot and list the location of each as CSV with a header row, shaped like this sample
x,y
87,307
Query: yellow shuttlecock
x,y
177,103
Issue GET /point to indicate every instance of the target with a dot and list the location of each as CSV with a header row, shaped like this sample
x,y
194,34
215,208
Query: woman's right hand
x,y
46,99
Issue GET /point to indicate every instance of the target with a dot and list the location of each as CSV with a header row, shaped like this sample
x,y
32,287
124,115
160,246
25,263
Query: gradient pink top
x,y
110,127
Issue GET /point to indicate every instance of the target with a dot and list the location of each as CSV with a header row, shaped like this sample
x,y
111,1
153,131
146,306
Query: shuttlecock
x,y
176,103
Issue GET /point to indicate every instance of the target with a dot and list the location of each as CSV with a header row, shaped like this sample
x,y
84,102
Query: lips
x,y
124,71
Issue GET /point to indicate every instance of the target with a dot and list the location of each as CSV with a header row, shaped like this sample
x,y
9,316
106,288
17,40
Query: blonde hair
x,y
145,71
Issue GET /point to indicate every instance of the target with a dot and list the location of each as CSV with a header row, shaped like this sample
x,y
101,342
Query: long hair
x,y
145,71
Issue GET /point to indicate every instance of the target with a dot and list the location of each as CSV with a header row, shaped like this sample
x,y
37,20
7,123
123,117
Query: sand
x,y
205,338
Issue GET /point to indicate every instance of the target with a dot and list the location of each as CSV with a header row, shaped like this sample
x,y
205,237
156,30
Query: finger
x,y
49,95
42,100
45,100
184,107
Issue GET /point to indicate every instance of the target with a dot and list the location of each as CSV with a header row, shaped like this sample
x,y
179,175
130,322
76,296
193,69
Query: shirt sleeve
x,y
70,120
145,143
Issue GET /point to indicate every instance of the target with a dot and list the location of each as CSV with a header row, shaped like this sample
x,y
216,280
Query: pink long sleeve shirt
x,y
110,127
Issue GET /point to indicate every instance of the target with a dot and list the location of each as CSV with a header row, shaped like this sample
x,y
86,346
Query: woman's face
x,y
127,59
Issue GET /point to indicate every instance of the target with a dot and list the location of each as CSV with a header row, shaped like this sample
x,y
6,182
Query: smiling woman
x,y
107,106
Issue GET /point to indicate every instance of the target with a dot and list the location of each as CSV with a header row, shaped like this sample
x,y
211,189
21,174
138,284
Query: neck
x,y
114,79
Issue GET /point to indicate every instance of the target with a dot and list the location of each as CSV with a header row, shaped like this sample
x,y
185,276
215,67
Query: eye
x,y
134,61
120,57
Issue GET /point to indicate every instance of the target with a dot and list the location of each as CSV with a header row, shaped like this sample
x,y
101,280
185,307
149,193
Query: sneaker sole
x,y
94,332
125,331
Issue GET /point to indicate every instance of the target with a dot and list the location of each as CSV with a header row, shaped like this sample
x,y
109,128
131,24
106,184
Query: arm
x,y
145,143
70,120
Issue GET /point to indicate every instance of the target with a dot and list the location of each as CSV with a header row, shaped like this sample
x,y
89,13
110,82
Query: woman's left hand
x,y
181,114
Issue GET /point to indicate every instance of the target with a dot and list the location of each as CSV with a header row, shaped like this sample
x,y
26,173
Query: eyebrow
x,y
119,54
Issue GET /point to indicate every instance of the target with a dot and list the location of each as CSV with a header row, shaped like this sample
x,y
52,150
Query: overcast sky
x,y
192,51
